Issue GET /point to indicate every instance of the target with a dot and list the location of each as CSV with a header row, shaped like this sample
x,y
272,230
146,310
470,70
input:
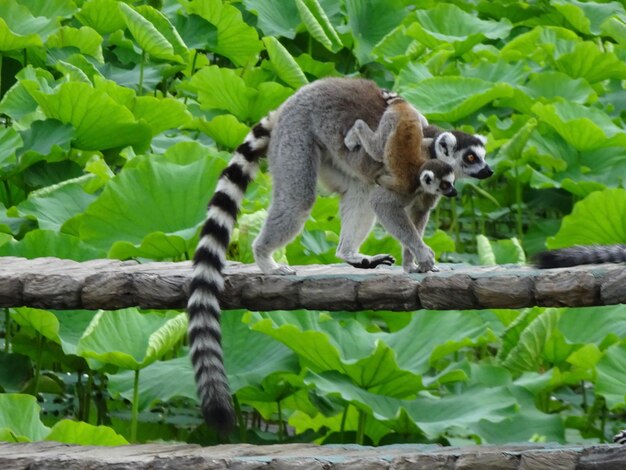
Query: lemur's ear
x,y
427,142
482,138
427,177
445,143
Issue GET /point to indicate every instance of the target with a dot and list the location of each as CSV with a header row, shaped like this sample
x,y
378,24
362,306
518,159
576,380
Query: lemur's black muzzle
x,y
485,172
452,192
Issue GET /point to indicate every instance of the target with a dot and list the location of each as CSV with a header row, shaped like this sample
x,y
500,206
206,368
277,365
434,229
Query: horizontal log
x,y
111,284
55,456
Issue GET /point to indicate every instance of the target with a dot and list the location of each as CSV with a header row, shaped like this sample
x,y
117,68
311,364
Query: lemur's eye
x,y
470,158
444,186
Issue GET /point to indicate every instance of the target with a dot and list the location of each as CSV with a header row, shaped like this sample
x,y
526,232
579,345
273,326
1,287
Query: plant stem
x,y
360,432
584,395
39,360
343,423
281,436
135,412
193,67
7,331
518,202
455,225
87,397
141,64
241,422
7,190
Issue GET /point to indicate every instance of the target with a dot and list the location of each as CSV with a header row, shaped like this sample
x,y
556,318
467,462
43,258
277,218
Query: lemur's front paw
x,y
425,260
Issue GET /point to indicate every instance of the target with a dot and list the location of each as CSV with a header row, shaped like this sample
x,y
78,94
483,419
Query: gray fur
x,y
307,143
578,255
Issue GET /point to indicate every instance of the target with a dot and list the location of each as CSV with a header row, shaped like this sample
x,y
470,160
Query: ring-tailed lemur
x,y
399,144
620,437
307,142
578,255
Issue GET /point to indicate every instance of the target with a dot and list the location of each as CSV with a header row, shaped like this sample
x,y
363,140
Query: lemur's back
x,y
315,121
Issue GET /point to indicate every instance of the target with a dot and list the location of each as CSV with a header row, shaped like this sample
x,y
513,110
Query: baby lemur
x,y
400,145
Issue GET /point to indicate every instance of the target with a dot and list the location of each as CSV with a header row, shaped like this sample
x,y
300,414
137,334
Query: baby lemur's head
x,y
437,178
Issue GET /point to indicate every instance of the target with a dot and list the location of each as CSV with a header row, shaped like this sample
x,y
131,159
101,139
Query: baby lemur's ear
x,y
427,177
427,142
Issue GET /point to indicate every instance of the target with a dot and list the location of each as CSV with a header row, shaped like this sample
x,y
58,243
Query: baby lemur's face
x,y
437,178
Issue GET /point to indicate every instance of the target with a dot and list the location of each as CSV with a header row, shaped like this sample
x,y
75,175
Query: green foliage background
x,y
117,119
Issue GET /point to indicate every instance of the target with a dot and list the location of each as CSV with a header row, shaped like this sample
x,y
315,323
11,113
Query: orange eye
x,y
471,158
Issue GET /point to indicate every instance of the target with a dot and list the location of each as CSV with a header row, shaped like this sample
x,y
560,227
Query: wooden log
x,y
55,456
113,284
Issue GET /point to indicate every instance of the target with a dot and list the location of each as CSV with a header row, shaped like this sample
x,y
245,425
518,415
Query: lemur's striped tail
x,y
207,280
577,255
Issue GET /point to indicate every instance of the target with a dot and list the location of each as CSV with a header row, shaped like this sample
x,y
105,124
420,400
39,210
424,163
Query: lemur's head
x,y
464,152
437,178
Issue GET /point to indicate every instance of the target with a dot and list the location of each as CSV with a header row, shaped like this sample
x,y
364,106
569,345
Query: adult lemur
x,y
307,142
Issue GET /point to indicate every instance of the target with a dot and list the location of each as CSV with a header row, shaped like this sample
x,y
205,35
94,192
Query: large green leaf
x,y
317,24
275,17
179,192
42,321
611,371
160,381
20,28
15,371
236,40
86,40
40,243
102,15
587,17
448,24
225,130
607,210
148,35
100,122
499,251
527,354
283,63
583,127
129,339
10,141
326,346
593,324
224,89
160,113
452,98
249,357
529,424
19,418
47,140
432,415
538,44
588,61
76,432
370,21
385,363
53,206
72,324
